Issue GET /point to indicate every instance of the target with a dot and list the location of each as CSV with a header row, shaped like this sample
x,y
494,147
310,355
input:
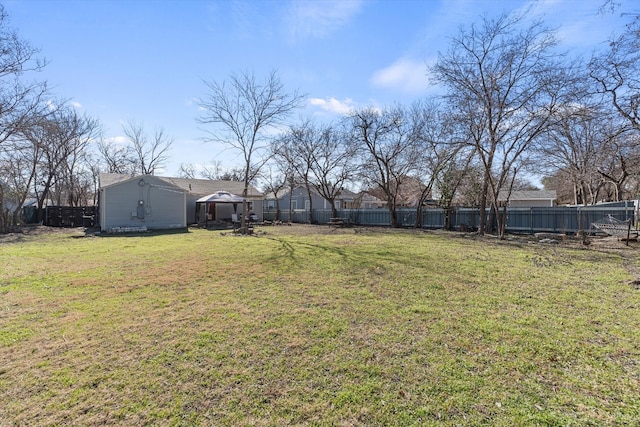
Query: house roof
x,y
208,186
366,197
344,193
199,187
530,195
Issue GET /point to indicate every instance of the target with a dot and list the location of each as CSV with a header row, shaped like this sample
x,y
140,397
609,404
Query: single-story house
x,y
365,200
531,199
299,200
163,202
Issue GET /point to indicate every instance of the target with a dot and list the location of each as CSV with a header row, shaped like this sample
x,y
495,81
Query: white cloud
x,y
194,102
76,104
333,105
310,18
406,75
118,140
580,25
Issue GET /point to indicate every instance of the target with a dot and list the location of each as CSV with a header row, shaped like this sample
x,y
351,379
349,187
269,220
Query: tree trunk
x,y
245,205
310,205
3,225
483,205
419,210
447,218
501,219
391,205
491,219
420,207
334,211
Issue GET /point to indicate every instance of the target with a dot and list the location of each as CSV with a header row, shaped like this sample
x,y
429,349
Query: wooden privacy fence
x,y
66,216
519,220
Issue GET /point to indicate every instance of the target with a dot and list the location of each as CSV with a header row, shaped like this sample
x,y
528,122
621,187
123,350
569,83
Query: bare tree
x,y
117,157
243,111
502,85
150,153
449,180
276,180
19,100
620,164
333,165
297,149
439,147
322,158
187,170
237,174
92,164
579,142
59,140
617,73
213,171
76,177
390,143
18,164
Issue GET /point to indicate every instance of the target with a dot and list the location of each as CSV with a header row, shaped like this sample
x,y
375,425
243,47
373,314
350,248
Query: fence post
x,y
531,219
580,220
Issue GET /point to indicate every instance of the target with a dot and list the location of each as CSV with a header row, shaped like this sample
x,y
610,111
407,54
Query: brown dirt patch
x,y
31,232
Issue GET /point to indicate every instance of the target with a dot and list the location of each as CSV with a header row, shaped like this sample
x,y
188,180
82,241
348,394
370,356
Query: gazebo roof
x,y
220,197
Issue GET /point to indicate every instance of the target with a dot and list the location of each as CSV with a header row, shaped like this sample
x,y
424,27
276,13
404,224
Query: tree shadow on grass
x,y
287,250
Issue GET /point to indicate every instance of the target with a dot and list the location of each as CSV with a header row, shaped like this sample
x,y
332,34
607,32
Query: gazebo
x,y
210,202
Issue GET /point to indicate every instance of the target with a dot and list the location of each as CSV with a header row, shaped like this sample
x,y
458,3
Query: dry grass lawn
x,y
308,325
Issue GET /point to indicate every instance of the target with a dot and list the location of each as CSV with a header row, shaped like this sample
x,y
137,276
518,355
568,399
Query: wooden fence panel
x,y
67,216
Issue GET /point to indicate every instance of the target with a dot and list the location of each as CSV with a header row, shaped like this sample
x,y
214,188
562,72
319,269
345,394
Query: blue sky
x,y
145,60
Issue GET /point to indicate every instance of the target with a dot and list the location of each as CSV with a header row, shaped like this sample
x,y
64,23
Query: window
x,y
294,204
337,204
307,205
271,204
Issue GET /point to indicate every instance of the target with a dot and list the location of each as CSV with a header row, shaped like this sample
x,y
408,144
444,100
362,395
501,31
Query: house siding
x,y
163,205
301,201
543,203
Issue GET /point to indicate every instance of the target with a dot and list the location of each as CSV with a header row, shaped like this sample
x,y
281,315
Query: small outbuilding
x,y
140,202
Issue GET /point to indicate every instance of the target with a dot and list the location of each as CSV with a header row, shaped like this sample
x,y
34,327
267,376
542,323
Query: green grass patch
x,y
348,327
